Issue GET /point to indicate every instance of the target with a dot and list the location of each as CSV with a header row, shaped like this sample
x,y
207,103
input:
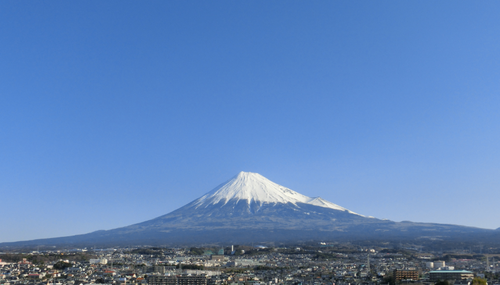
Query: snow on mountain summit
x,y
252,187
255,188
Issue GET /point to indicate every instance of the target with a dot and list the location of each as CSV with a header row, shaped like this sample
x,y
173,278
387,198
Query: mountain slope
x,y
249,208
255,188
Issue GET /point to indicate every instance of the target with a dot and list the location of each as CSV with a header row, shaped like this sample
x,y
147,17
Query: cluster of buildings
x,y
258,266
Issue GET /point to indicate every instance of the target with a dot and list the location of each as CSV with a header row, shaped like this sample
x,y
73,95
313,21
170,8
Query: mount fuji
x,y
255,191
251,208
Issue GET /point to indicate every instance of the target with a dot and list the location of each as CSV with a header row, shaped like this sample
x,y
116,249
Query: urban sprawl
x,y
316,264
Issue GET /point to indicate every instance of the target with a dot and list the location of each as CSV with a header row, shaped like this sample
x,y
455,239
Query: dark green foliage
x,y
389,280
262,267
45,258
148,251
478,281
61,265
196,251
11,257
442,283
325,256
191,266
389,250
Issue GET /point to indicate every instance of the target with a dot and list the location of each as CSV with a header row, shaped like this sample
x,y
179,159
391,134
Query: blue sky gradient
x,y
116,112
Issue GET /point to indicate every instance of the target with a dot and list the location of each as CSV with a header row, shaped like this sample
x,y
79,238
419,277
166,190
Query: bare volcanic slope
x,y
251,208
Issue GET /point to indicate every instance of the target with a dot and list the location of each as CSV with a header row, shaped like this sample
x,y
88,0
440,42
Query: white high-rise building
x,y
439,264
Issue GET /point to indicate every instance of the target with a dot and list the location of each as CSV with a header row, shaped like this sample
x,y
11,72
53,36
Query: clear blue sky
x,y
116,112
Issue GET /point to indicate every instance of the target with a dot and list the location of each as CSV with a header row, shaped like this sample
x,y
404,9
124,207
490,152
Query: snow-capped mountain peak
x,y
255,188
318,201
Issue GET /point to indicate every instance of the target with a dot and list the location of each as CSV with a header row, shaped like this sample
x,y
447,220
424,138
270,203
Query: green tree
x,y
61,265
478,281
196,251
389,280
